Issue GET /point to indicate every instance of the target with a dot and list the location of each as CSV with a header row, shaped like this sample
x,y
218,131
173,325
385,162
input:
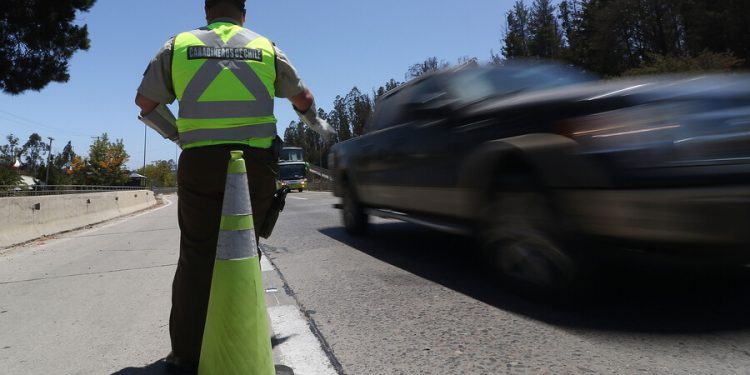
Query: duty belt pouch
x,y
279,200
276,147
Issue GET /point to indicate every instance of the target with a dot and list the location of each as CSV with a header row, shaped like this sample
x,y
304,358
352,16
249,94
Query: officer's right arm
x,y
155,91
156,85
302,101
147,105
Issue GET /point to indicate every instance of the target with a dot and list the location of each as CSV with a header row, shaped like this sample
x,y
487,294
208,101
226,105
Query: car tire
x,y
522,240
353,213
299,190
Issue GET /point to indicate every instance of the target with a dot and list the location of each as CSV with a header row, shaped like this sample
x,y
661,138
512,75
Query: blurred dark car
x,y
540,161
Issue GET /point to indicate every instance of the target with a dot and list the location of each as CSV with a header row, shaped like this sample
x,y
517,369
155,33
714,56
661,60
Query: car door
x,y
433,151
379,171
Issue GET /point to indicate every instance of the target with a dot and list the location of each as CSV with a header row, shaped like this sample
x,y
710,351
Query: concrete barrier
x,y
26,218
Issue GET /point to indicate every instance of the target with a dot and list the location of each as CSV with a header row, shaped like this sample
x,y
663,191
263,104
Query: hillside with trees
x,y
626,37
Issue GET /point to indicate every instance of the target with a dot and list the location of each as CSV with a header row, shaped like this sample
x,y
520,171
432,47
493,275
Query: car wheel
x,y
353,214
300,190
523,241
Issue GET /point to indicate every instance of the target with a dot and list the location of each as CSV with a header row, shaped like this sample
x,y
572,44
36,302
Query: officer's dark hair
x,y
239,4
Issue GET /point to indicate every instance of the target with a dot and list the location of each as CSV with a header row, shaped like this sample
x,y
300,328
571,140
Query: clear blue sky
x,y
335,45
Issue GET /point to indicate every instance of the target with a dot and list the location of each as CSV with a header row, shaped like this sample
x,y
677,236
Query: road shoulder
x,y
295,343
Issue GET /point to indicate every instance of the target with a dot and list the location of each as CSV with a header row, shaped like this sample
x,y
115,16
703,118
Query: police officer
x,y
224,77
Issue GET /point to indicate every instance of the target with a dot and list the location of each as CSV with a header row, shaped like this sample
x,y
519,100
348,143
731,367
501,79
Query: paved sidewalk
x,y
97,301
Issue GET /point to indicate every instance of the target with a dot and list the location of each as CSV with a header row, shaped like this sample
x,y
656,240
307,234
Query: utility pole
x,y
49,162
145,131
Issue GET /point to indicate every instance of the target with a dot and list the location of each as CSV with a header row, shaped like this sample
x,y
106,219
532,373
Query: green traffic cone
x,y
236,334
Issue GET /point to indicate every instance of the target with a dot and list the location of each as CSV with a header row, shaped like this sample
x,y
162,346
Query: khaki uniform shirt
x,y
157,79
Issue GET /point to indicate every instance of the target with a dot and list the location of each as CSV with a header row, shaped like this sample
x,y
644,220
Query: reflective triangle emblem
x,y
226,87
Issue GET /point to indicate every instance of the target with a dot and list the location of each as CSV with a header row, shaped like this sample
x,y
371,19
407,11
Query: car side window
x,y
427,90
392,110
389,111
379,118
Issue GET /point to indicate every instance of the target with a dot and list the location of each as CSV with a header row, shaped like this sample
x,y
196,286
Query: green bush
x,y
707,61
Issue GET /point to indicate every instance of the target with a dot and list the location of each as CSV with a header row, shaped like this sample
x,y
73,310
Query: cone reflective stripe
x,y
236,334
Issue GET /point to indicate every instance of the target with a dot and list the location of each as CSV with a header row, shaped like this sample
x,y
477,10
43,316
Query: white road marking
x,y
265,265
301,351
617,92
302,199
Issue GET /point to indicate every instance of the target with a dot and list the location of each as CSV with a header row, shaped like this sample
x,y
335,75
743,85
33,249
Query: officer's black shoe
x,y
176,366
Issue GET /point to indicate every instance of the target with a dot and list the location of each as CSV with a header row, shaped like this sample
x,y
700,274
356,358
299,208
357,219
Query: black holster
x,y
279,200
276,146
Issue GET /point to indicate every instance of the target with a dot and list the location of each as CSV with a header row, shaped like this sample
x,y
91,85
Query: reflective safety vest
x,y
223,76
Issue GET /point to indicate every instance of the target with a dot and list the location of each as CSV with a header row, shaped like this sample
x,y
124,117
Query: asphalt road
x,y
405,300
402,300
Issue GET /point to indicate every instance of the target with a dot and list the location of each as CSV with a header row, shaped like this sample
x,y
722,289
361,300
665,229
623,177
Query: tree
x,y
38,39
325,146
313,143
10,152
65,158
339,119
716,26
573,27
705,62
359,109
160,173
300,135
516,39
545,40
31,154
430,64
106,161
8,177
380,91
291,137
78,171
8,155
61,167
612,37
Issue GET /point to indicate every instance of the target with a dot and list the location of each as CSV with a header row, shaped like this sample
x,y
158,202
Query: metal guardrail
x,y
32,191
322,172
319,179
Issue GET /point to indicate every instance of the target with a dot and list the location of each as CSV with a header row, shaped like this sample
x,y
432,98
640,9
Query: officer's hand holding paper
x,y
163,121
319,125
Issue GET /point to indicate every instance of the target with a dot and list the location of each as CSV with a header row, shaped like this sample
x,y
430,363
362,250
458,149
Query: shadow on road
x,y
629,299
157,368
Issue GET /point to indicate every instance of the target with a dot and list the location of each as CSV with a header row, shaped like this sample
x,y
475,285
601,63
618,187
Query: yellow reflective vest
x,y
223,76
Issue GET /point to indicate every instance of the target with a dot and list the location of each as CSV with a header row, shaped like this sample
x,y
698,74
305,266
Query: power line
x,y
31,124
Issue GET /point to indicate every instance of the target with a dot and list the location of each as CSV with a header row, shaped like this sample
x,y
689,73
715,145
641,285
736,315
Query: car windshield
x,y
475,85
292,171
